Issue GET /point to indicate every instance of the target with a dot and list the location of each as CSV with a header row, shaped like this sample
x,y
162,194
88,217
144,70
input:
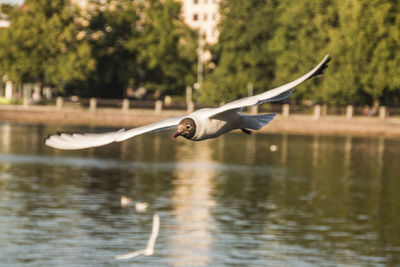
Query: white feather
x,y
80,141
276,94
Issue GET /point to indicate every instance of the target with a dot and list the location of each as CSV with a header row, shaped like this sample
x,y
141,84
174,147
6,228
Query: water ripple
x,y
123,164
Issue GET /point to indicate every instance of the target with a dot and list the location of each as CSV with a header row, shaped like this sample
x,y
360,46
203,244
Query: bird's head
x,y
186,128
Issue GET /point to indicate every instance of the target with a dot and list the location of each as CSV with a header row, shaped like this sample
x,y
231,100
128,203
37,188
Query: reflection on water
x,y
191,242
316,200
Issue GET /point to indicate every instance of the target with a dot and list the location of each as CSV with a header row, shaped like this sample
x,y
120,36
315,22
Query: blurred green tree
x,y
368,37
243,55
167,49
109,29
363,42
302,39
7,8
41,46
139,44
262,44
270,43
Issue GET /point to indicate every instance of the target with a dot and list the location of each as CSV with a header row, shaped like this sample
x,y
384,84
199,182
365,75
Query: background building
x,y
202,15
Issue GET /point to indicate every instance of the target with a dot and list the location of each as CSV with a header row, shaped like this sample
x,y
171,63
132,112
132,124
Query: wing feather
x,y
80,141
276,94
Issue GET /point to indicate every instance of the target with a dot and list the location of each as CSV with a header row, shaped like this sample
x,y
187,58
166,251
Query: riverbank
x,y
295,124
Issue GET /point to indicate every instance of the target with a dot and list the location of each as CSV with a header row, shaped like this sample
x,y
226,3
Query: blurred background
x,y
224,49
318,186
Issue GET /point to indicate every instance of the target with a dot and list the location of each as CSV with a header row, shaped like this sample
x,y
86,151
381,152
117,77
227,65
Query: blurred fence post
x,y
167,100
254,110
317,112
92,104
382,112
190,107
9,90
59,102
26,102
189,94
250,91
125,104
26,91
158,106
285,110
349,112
324,110
47,93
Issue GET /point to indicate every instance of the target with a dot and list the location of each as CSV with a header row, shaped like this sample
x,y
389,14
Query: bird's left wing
x,y
276,94
79,141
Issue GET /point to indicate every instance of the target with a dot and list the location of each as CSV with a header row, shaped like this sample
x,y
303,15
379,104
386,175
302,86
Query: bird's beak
x,y
176,134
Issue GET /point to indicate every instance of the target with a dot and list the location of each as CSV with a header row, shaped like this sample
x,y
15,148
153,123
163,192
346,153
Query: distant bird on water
x,y
139,206
200,125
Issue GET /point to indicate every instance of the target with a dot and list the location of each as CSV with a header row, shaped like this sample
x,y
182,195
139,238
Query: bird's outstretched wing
x,y
275,94
72,141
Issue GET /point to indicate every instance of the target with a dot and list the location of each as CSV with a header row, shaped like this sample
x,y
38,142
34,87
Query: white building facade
x,y
202,15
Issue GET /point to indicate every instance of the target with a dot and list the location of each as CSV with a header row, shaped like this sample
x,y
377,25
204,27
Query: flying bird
x,y
149,250
199,125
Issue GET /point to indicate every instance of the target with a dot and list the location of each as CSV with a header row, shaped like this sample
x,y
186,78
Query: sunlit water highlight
x,y
316,200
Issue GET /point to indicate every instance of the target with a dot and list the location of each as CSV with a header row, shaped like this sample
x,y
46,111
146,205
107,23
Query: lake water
x,y
231,201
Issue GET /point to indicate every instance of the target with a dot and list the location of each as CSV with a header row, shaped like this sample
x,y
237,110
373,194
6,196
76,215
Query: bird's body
x,y
200,125
212,127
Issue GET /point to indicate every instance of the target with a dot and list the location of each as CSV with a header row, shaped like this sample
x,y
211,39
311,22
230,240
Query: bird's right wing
x,y
276,94
79,141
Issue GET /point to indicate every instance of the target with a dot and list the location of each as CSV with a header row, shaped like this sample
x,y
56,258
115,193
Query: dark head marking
x,y
186,128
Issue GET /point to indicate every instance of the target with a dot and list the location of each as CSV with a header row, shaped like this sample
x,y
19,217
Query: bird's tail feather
x,y
256,122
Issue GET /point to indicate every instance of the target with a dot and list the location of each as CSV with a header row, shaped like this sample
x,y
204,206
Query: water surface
x,y
231,201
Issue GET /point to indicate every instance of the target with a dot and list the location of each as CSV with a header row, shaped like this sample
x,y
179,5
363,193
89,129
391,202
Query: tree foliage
x,y
100,51
361,37
139,44
243,52
366,44
263,43
301,40
108,32
41,46
169,54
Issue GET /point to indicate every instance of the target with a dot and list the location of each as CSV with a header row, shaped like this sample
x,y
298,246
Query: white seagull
x,y
199,125
149,250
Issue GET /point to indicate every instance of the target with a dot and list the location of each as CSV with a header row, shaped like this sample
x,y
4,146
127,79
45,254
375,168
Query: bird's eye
x,y
188,126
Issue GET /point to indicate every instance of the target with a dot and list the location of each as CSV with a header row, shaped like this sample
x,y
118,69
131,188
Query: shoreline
x,y
109,117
